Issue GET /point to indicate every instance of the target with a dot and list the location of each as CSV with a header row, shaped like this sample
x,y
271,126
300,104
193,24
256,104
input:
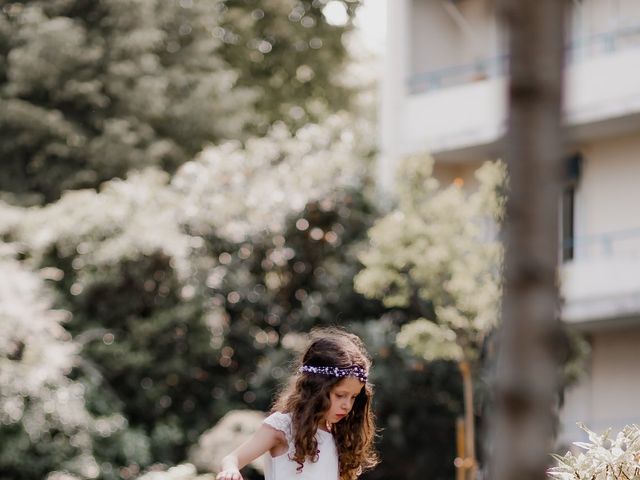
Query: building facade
x,y
444,92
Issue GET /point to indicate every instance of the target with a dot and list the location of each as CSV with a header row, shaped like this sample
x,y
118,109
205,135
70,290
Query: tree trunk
x,y
461,471
469,461
525,386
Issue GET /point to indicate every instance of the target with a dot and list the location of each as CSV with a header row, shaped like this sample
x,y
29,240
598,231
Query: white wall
x,y
577,407
608,197
446,34
591,17
602,282
608,395
616,378
603,95
435,39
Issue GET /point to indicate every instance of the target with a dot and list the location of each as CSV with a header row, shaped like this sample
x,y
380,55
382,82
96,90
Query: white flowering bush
x,y
151,265
603,458
42,411
233,190
125,220
439,246
185,471
437,258
244,190
230,432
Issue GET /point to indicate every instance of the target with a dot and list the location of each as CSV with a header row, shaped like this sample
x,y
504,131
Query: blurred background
x,y
188,186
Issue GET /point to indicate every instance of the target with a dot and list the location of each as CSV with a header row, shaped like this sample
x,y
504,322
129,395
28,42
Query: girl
x,y
321,426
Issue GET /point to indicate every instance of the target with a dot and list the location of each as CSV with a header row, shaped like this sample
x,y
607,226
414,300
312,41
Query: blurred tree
x,y
44,424
186,310
89,90
146,304
526,368
233,429
293,52
190,291
438,256
416,404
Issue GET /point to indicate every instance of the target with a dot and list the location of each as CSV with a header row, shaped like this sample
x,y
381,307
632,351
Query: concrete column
x,y
393,91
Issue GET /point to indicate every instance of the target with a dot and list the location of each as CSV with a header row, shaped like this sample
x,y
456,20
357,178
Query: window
x,y
567,209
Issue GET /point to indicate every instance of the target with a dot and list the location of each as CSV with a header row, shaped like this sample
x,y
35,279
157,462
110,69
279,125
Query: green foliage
x,y
292,54
90,90
185,312
178,323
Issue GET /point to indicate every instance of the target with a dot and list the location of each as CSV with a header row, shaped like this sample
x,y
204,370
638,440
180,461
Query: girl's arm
x,y
263,440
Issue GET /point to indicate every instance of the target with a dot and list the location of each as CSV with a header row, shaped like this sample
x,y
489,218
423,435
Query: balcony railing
x,y
601,283
458,74
491,67
620,243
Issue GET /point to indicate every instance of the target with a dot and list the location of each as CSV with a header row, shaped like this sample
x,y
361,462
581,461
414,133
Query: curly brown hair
x,y
307,398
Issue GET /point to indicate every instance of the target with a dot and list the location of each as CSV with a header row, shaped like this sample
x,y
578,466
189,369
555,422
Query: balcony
x,y
601,286
578,51
460,111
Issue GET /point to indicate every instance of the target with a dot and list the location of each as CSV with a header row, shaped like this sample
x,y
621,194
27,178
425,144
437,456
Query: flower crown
x,y
352,371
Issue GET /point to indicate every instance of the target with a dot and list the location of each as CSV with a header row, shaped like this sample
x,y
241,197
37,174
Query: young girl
x,y
321,426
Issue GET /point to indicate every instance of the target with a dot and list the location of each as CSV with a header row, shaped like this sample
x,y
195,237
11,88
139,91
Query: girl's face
x,y
342,396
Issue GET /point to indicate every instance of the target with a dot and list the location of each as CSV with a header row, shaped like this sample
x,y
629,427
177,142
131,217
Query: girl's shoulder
x,y
280,421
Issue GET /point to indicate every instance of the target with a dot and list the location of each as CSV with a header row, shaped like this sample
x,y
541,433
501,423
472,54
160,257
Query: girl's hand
x,y
262,441
229,474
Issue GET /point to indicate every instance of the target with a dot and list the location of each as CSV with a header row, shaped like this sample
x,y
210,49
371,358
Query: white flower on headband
x,y
352,371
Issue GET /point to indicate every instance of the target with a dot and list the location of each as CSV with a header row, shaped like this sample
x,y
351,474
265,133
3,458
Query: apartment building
x,y
444,92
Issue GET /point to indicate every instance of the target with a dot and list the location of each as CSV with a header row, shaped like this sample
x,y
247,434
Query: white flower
x,y
603,458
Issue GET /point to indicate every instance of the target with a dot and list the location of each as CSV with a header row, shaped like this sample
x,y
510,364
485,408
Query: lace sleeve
x,y
282,422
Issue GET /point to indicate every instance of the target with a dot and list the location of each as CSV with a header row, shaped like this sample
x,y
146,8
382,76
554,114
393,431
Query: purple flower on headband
x,y
351,371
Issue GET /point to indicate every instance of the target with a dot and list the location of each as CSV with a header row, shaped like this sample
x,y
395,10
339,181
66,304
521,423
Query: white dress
x,y
282,468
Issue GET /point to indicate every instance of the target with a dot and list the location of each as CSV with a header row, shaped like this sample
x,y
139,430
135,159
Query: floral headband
x,y
351,371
